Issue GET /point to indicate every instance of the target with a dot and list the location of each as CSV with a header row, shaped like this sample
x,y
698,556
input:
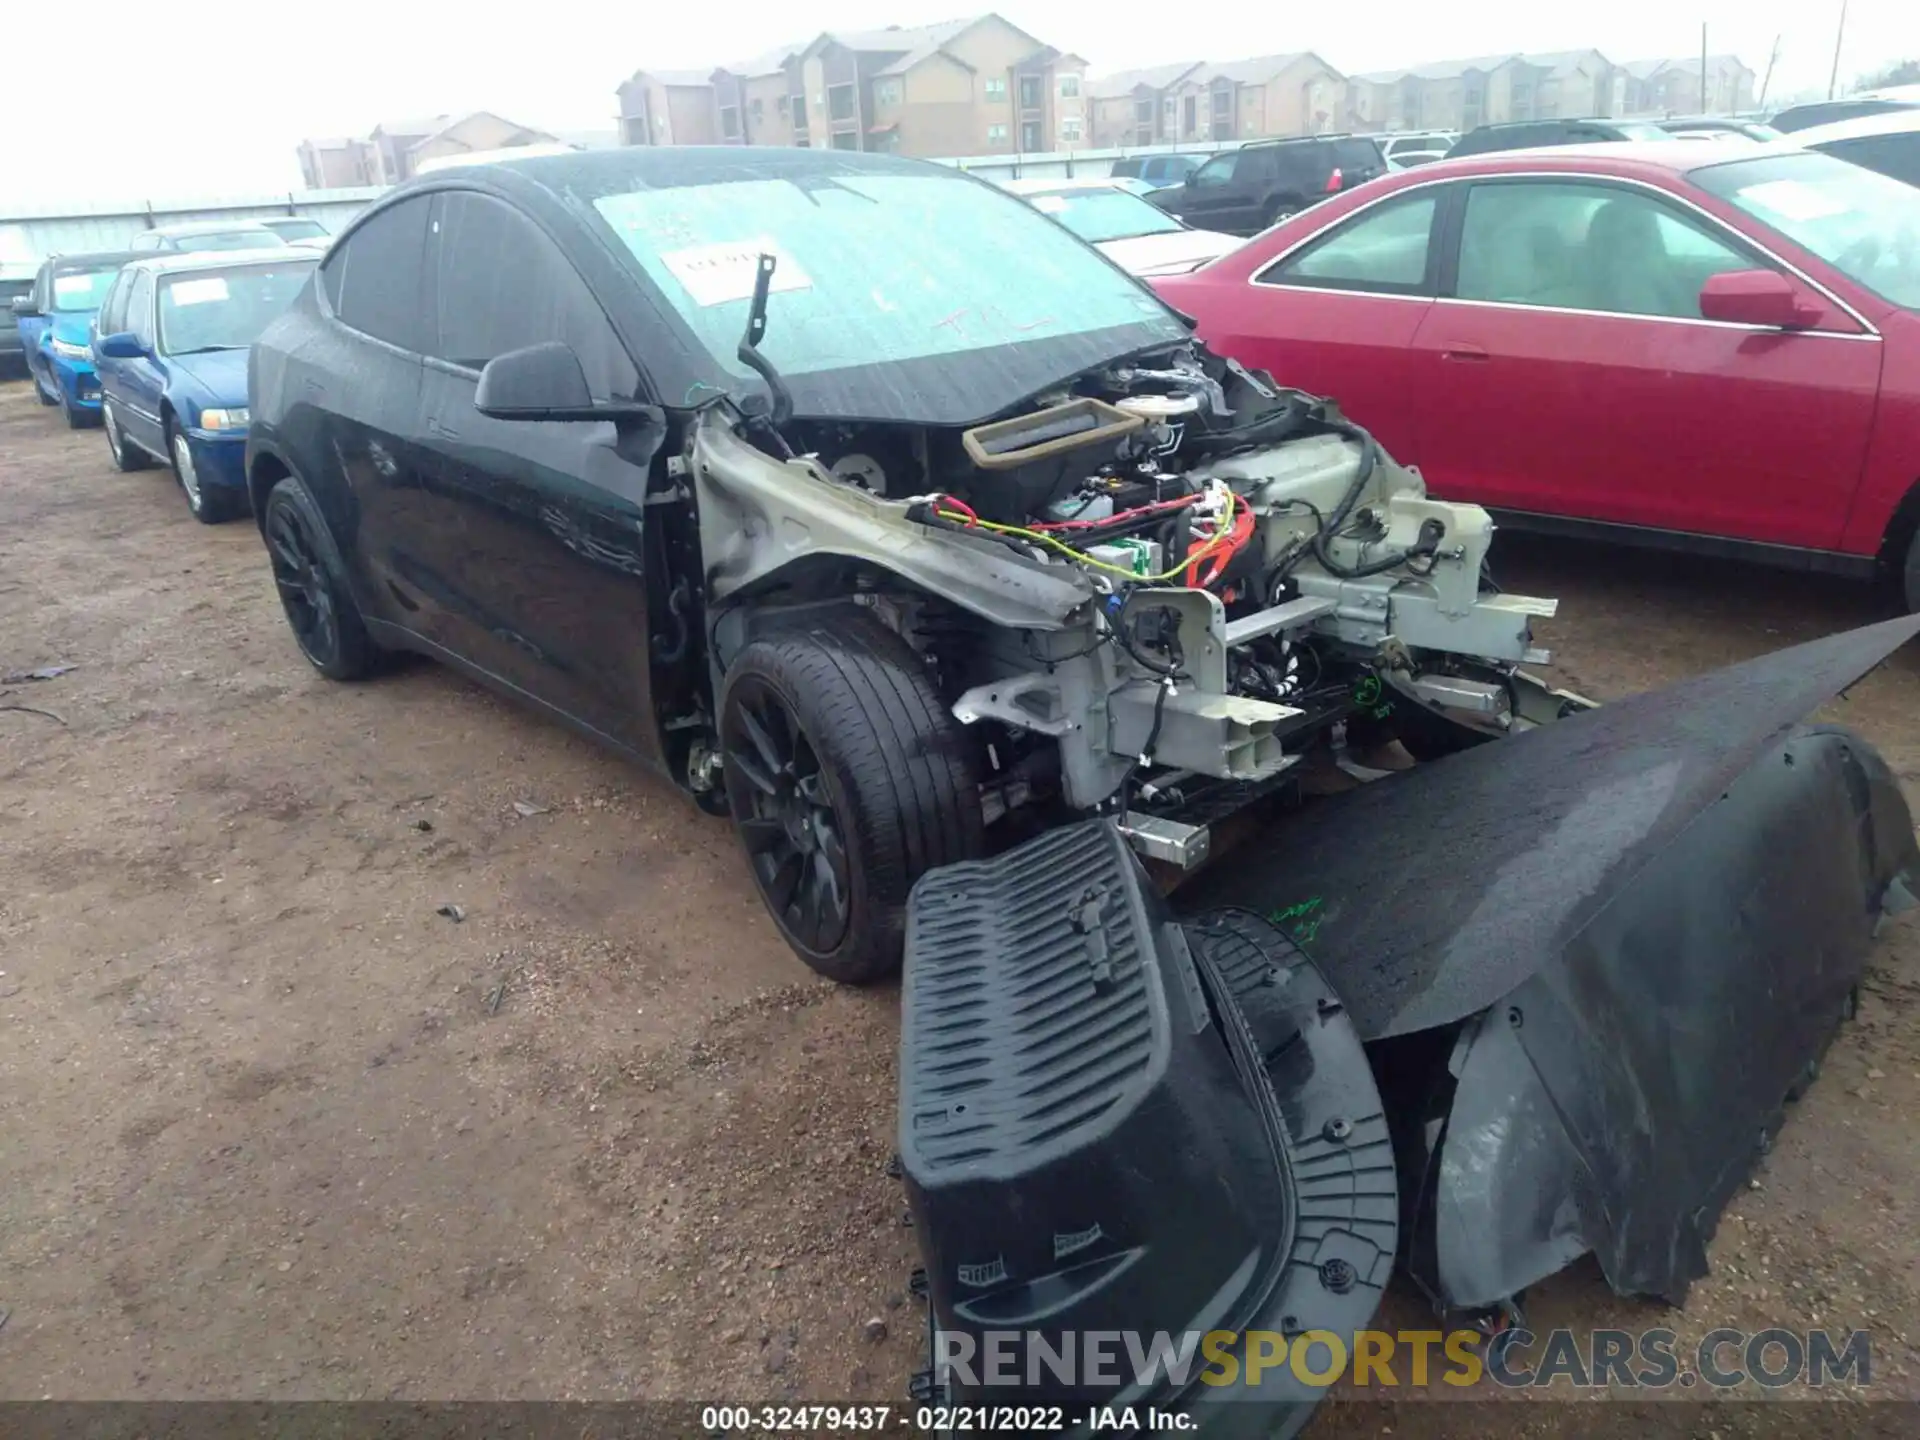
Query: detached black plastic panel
x,y
1092,1142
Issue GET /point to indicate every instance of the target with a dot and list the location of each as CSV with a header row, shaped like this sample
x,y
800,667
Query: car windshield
x,y
81,291
230,240
204,310
1862,223
1640,130
1109,213
298,229
903,293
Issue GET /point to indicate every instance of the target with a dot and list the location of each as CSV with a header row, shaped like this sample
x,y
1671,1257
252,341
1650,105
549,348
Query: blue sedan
x,y
54,321
171,342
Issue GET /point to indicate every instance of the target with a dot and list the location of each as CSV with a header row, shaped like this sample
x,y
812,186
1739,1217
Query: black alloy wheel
x,y
847,778
307,572
795,841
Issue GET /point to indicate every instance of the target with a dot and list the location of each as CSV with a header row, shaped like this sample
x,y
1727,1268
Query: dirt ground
x,y
273,1126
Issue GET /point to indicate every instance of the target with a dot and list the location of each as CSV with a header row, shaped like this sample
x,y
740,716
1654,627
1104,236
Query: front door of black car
x,y
535,538
361,378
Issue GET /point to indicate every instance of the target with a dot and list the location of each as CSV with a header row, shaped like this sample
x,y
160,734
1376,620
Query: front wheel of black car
x,y
311,578
848,779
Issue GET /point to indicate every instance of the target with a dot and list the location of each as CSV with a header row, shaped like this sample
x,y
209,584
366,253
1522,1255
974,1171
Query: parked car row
x,y
152,341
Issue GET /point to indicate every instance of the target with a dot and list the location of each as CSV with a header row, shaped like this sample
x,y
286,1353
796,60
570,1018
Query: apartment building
x,y
394,149
1672,86
1486,89
1141,107
974,86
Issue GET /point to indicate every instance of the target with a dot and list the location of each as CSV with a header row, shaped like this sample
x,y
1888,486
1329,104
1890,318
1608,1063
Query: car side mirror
x,y
24,308
1756,297
121,345
539,382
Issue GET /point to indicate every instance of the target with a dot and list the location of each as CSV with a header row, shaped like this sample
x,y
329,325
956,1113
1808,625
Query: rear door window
x,y
501,284
376,279
1255,167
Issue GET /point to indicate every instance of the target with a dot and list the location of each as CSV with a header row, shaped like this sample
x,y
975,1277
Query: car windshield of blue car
x,y
81,291
932,297
205,310
1862,223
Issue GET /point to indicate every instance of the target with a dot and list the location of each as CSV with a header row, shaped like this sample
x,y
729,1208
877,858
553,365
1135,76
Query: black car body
x,y
1244,190
1535,134
934,369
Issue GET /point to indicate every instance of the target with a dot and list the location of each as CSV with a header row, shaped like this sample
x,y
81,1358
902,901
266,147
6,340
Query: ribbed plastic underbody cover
x,y
1091,1139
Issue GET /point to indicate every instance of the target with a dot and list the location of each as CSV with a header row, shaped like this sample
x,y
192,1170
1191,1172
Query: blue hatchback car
x,y
54,321
171,342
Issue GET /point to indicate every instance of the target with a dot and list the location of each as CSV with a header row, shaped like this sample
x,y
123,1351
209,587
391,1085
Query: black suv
x,y
1261,183
1536,134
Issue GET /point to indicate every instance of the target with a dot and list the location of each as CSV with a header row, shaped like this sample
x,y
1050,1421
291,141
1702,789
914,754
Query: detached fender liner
x,y
1111,1121
1629,937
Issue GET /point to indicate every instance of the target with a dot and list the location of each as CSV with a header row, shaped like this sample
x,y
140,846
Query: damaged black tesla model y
x,y
888,518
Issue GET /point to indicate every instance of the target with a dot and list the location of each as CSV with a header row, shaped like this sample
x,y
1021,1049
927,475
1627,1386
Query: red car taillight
x,y
1335,180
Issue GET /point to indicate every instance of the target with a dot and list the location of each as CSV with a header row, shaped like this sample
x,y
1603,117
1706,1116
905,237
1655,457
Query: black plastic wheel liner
x,y
1647,919
1112,1122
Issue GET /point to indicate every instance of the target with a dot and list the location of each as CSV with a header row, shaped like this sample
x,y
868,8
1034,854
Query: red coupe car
x,y
1706,346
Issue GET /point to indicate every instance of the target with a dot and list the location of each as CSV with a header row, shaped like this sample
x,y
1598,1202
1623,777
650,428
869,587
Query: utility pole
x,y
1703,69
1833,77
1772,59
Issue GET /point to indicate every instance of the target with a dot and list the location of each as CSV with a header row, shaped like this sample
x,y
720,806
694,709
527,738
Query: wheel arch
x,y
265,469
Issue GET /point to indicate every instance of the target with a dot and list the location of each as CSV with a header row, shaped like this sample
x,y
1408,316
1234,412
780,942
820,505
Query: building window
x,y
1070,127
846,140
886,92
1143,111
1190,117
1029,92
1069,87
1172,107
996,88
730,122
996,134
756,110
1031,141
798,104
840,102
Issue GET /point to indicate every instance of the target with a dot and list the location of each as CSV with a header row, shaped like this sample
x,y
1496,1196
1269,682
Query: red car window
x,y
1384,248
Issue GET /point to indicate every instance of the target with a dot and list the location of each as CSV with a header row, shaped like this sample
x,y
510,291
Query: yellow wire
x,y
1225,533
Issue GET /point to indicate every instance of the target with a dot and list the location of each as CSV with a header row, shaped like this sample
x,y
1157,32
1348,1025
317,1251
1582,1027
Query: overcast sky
x,y
120,99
